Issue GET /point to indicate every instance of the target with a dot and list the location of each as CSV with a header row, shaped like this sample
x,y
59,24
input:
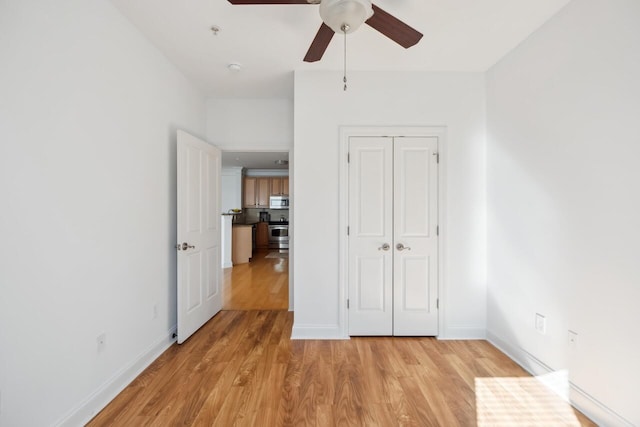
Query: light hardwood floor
x,y
262,284
242,369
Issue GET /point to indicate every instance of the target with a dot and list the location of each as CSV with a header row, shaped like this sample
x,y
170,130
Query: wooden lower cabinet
x,y
241,244
262,235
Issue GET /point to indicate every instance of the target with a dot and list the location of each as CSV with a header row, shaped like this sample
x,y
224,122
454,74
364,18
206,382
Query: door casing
x,y
347,132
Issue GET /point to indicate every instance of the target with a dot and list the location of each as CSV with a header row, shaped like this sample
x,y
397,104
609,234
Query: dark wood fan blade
x,y
319,44
239,2
393,28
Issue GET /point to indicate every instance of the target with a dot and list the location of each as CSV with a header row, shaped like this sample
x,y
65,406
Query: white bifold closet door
x,y
393,242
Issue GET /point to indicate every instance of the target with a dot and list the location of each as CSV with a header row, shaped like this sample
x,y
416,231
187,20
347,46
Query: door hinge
x,y
437,157
347,303
348,229
437,230
438,303
348,157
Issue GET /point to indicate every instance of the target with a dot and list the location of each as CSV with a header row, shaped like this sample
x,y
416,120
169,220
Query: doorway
x,y
252,182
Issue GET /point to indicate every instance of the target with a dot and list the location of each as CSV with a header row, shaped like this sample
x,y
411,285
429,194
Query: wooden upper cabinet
x,y
280,186
250,193
258,189
263,193
276,186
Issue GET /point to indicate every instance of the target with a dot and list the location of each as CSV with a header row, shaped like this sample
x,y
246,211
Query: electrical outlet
x,y
573,339
102,341
541,323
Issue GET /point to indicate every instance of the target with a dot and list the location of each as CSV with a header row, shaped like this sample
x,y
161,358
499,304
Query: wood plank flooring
x,y
242,369
262,284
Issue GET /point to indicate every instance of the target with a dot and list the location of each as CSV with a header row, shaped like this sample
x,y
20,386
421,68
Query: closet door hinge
x,y
437,157
438,303
347,303
348,157
348,229
437,230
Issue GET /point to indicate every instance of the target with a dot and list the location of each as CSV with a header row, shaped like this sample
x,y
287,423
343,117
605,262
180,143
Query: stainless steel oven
x,y
278,235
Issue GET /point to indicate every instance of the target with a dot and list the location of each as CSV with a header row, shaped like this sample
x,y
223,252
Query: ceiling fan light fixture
x,y
345,14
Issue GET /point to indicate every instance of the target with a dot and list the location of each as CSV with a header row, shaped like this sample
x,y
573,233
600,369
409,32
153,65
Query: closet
x,y
393,236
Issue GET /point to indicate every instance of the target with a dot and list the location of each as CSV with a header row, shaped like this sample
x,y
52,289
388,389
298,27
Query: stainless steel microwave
x,y
279,202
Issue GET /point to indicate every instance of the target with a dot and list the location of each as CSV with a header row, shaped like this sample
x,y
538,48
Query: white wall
x,y
564,200
250,124
387,99
231,188
88,115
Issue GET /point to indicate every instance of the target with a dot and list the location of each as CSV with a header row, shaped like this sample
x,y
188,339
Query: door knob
x,y
184,246
384,247
402,247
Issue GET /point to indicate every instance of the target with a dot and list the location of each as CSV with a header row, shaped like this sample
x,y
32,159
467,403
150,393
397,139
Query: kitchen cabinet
x,y
262,235
249,189
262,197
256,192
280,186
241,244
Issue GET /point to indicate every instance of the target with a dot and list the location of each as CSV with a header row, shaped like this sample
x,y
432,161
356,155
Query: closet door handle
x,y
384,247
402,247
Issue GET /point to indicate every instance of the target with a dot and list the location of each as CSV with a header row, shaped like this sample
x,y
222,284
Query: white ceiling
x,y
270,41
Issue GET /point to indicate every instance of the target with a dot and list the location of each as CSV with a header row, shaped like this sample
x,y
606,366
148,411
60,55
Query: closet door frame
x,y
347,132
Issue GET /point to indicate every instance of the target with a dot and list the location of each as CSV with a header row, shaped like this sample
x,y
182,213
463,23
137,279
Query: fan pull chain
x,y
344,29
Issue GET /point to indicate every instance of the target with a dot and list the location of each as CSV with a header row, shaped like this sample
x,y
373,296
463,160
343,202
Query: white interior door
x,y
198,248
415,267
370,236
393,248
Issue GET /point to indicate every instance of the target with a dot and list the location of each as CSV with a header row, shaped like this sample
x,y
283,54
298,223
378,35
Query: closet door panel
x,y
371,226
415,278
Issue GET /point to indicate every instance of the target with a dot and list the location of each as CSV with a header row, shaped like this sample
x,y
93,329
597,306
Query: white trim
x,y
96,401
266,172
317,332
456,333
408,131
231,170
239,148
580,399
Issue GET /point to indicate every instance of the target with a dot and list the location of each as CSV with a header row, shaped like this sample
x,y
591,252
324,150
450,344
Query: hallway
x,y
262,284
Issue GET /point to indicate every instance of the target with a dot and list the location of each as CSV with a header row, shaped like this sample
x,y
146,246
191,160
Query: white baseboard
x,y
585,403
227,264
334,332
317,332
97,400
463,334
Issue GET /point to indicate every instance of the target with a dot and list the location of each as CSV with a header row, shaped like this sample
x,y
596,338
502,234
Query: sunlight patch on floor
x,y
518,401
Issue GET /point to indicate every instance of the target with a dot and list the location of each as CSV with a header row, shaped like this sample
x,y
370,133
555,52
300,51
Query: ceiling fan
x,y
345,16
